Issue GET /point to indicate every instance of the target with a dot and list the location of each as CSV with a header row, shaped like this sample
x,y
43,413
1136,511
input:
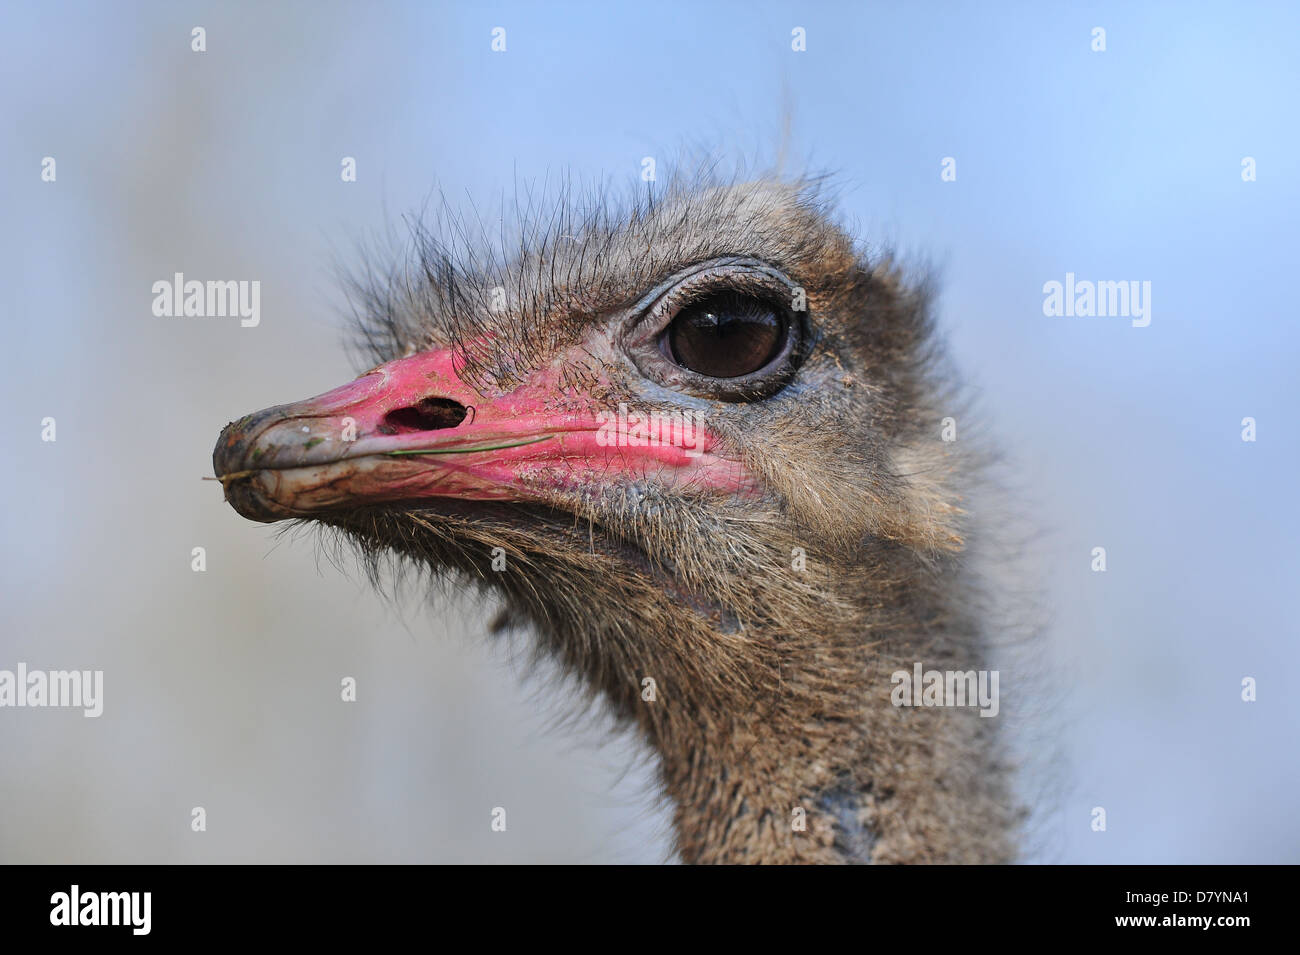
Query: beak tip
x,y
250,503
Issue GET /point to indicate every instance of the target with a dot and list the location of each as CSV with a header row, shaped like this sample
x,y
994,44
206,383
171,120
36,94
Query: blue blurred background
x,y
222,687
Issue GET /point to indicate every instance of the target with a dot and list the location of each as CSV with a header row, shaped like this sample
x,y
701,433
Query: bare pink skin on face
x,y
368,442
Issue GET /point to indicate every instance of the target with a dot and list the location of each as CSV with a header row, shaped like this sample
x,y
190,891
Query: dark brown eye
x,y
727,335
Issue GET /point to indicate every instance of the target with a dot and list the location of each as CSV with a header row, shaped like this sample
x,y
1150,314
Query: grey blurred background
x,y
222,688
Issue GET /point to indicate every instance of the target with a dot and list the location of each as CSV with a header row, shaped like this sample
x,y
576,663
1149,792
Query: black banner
x,y
236,903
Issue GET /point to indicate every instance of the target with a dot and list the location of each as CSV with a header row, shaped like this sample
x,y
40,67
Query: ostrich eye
x,y
726,335
724,330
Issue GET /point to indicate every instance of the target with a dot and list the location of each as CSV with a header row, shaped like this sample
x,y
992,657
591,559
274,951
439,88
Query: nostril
x,y
431,414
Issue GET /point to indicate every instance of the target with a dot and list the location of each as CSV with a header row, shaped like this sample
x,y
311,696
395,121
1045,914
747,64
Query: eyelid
x,y
738,275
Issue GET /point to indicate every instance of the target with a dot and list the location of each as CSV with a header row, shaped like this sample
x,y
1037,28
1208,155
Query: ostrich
x,y
692,442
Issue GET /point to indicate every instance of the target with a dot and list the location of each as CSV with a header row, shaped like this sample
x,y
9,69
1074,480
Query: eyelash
x,y
746,276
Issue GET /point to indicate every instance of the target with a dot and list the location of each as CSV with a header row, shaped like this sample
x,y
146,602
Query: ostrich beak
x,y
413,429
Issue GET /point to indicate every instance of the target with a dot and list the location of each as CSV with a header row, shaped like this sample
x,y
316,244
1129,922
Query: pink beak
x,y
412,429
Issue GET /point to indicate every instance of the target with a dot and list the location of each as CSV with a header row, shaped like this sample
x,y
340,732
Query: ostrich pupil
x,y
726,336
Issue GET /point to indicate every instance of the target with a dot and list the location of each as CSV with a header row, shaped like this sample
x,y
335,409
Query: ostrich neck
x,y
824,768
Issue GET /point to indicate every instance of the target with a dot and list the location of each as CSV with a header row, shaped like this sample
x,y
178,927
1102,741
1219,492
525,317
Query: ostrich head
x,y
693,442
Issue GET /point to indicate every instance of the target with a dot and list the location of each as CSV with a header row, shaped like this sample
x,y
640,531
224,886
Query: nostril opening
x,y
431,414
